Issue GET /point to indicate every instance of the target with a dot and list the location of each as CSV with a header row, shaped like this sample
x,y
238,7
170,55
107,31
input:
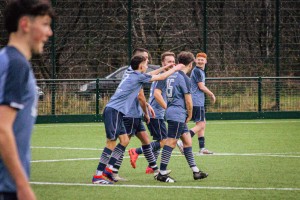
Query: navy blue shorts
x,y
114,125
157,128
198,114
176,129
8,196
133,125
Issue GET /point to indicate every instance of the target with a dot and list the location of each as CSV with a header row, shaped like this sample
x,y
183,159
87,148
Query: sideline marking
x,y
164,187
208,122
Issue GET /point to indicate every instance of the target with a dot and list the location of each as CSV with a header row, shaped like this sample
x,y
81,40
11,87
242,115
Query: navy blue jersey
x,y
178,85
18,90
197,75
128,91
159,111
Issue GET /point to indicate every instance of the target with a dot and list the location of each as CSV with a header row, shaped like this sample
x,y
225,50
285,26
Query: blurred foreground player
x,y
28,25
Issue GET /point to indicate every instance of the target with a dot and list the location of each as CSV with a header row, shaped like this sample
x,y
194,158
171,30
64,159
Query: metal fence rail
x,y
62,97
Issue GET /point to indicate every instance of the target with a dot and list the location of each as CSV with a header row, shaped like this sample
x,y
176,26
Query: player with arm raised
x,y
118,106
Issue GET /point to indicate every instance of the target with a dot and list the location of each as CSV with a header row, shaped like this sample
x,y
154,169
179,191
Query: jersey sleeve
x,y
161,85
145,78
198,76
14,84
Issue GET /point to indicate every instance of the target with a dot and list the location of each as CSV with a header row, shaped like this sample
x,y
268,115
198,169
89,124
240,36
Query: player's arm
x,y
204,89
8,149
166,74
159,98
189,106
143,104
157,71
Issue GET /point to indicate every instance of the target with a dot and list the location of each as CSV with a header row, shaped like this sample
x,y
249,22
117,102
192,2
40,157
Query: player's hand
x,y
178,67
167,67
213,98
188,119
25,193
147,118
151,111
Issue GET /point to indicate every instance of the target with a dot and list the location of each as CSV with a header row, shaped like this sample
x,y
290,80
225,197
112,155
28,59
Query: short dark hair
x,y
136,61
185,57
136,50
16,9
167,53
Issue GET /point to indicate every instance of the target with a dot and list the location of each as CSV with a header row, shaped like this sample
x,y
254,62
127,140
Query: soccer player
x,y
178,114
116,108
133,119
28,25
198,89
157,126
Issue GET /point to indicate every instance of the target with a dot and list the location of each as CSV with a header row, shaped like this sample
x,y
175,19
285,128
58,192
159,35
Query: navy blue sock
x,y
139,150
201,142
192,133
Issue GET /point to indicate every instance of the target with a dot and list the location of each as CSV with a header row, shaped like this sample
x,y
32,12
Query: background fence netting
x,y
92,38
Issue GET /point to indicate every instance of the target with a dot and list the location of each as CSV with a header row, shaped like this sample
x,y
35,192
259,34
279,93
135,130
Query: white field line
x,y
125,157
209,122
164,187
96,149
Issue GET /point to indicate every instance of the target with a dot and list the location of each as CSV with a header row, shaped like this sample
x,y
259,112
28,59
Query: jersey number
x,y
170,87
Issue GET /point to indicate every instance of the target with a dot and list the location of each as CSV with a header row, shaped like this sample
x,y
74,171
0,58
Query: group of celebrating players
x,y
174,97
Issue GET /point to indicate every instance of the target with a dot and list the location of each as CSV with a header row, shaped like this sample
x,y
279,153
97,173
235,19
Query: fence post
x,y
259,95
277,57
97,99
129,21
53,62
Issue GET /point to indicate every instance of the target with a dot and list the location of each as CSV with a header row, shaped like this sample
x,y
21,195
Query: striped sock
x,y
116,154
188,153
118,164
104,159
156,154
165,157
149,156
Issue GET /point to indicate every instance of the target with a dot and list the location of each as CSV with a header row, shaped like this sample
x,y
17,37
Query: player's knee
x,y
162,143
124,141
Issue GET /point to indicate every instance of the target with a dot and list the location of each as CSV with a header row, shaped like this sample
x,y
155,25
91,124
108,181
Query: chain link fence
x,y
253,94
93,38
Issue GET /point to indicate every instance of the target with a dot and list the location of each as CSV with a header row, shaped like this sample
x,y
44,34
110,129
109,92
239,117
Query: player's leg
x,y
146,146
155,145
188,153
174,132
199,128
116,155
113,127
158,131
